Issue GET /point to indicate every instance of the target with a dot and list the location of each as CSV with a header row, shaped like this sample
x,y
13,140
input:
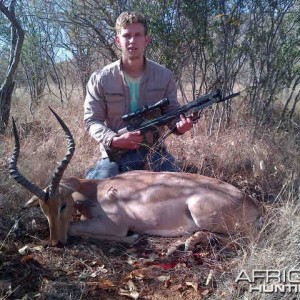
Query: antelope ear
x,y
32,202
69,185
66,189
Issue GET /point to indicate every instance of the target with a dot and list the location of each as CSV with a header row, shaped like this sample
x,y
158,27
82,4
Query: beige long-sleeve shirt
x,y
108,99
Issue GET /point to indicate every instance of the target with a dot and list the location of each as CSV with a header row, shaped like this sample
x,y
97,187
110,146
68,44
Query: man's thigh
x,y
133,160
162,161
104,169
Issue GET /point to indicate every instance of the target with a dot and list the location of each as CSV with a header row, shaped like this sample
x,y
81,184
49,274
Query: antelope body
x,y
163,204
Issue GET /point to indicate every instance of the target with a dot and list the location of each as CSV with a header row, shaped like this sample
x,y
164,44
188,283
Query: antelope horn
x,y
14,172
71,148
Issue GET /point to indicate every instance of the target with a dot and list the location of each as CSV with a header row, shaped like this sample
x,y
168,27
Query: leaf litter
x,y
100,270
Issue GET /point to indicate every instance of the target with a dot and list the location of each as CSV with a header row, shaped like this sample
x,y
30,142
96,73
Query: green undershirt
x,y
134,88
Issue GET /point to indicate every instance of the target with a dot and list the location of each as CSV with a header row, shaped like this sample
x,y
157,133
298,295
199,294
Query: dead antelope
x,y
162,204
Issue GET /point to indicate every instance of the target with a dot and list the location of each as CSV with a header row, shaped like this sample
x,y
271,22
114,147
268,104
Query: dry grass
x,y
266,168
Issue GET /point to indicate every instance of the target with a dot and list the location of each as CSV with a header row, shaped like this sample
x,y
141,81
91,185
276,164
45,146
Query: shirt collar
x,y
121,68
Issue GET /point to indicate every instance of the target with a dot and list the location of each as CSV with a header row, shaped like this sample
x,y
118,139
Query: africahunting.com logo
x,y
271,280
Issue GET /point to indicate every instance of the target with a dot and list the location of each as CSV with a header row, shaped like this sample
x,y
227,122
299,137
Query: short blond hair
x,y
130,17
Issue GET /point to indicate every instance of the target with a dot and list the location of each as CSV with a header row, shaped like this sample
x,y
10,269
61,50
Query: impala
x,y
163,204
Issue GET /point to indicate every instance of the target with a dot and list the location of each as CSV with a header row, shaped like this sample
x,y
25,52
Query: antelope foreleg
x,y
130,239
96,229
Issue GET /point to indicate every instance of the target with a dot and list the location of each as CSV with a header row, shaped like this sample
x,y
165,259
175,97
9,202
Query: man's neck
x,y
135,67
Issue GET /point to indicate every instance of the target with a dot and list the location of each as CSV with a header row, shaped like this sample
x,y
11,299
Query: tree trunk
x,y
5,104
17,39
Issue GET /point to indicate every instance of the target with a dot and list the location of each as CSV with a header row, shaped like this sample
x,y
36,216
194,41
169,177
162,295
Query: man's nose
x,y
131,39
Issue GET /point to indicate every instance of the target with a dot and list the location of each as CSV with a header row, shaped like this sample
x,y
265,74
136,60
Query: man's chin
x,y
134,56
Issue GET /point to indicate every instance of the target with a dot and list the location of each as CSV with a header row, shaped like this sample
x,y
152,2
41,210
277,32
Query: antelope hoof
x,y
200,237
131,239
174,248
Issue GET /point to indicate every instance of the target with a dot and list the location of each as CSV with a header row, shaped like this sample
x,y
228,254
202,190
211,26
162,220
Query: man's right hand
x,y
128,140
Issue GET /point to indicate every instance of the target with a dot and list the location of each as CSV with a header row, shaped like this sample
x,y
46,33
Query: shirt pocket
x,y
155,94
115,102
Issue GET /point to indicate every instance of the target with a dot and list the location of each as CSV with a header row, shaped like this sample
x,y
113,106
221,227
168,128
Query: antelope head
x,y
55,201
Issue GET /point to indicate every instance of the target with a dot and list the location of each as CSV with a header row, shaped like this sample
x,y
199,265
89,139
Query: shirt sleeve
x,y
95,112
171,94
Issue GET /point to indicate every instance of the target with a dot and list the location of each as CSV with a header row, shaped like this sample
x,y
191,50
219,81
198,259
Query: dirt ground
x,y
87,269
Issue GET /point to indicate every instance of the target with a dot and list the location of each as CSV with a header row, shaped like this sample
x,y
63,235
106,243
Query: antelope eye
x,y
63,207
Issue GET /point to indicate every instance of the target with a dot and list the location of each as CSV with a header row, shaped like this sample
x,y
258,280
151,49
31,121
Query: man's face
x,y
132,41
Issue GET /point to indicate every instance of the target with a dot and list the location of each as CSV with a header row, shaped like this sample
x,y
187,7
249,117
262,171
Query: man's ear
x,y
148,39
117,40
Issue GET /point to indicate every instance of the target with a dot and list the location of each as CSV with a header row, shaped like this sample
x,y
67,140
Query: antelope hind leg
x,y
199,237
205,237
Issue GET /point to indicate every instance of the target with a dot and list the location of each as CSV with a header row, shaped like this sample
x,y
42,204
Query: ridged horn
x,y
63,165
14,172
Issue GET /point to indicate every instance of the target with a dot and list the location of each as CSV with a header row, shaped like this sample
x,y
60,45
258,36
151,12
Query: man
x,y
123,87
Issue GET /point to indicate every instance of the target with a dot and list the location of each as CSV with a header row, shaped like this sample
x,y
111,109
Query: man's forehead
x,y
134,27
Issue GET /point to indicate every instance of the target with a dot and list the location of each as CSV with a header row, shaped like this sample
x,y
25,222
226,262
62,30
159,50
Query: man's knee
x,y
104,169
